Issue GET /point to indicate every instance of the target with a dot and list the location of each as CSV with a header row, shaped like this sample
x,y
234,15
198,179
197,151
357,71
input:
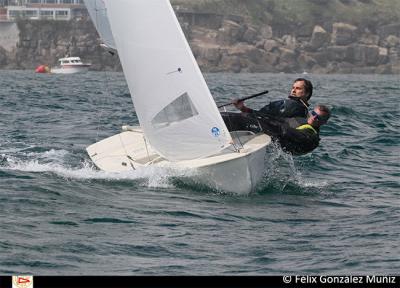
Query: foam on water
x,y
280,166
56,162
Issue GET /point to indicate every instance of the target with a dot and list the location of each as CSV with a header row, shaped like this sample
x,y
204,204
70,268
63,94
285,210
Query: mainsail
x,y
173,103
97,12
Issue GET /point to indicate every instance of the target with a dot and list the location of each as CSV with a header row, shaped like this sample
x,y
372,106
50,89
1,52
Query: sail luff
x,y
98,14
198,71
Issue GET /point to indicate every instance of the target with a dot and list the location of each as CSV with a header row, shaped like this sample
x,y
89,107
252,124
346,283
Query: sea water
x,y
333,211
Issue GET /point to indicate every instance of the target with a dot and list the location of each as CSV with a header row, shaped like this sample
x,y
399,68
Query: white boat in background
x,y
180,125
70,65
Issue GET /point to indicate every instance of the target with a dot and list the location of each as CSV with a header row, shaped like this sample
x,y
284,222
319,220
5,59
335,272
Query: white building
x,y
27,2
45,9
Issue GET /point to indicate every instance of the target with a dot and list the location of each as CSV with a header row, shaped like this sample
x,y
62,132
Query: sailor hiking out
x,y
287,121
296,105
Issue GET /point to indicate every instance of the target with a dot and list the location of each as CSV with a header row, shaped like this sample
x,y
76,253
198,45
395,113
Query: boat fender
x,y
42,69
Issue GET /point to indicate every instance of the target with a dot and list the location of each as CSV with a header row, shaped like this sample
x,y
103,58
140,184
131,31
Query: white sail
x,y
174,105
98,14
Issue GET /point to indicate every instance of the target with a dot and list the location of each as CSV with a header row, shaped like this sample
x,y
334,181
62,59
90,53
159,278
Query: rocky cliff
x,y
239,46
221,43
44,42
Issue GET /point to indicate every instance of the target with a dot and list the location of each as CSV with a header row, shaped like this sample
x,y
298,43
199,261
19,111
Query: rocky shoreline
x,y
220,44
238,47
44,42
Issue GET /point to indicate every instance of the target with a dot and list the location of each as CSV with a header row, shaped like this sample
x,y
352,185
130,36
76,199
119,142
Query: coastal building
x,y
27,2
42,9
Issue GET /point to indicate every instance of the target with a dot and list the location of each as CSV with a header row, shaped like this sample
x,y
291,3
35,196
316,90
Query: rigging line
x,y
236,134
259,124
126,152
305,105
105,97
147,150
107,94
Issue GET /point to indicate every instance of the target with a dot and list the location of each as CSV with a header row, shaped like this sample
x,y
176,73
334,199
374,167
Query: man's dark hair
x,y
308,87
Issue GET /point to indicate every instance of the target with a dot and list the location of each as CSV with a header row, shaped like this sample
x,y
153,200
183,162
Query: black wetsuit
x,y
292,110
293,134
279,119
297,141
290,107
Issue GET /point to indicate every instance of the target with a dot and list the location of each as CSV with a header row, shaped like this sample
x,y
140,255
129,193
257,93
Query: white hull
x,y
239,175
231,171
68,70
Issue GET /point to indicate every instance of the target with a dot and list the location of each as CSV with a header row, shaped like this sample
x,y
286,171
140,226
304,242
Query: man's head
x,y
302,88
319,116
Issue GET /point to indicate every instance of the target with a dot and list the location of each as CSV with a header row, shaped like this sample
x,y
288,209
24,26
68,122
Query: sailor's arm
x,y
240,105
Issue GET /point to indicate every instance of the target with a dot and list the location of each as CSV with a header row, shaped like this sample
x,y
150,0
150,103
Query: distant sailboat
x,y
180,125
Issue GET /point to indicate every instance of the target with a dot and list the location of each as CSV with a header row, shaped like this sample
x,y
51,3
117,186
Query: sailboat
x,y
180,124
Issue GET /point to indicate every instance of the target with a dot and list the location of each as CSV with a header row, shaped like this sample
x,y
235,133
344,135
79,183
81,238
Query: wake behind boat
x,y
180,125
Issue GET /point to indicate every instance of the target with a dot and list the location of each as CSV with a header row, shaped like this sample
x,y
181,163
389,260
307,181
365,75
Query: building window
x,y
46,12
31,13
62,13
14,13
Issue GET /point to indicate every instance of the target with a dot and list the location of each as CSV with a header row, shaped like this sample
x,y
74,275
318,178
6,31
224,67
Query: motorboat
x,y
70,65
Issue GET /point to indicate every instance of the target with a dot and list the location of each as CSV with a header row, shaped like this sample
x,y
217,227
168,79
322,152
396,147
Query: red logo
x,y
22,281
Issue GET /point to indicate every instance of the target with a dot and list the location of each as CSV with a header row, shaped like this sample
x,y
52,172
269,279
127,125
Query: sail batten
x,y
173,103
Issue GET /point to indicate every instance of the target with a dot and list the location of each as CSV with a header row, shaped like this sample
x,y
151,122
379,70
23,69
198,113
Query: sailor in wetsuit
x,y
298,137
296,105
294,109
302,139
286,121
